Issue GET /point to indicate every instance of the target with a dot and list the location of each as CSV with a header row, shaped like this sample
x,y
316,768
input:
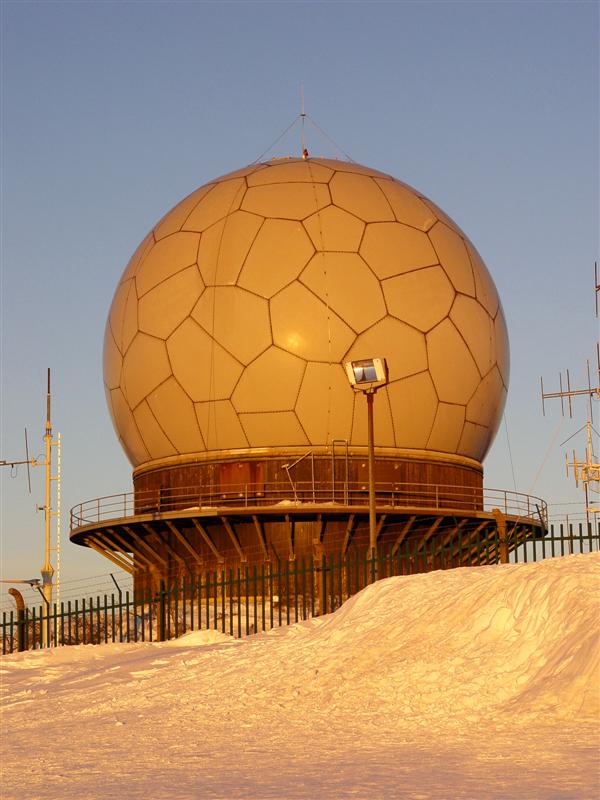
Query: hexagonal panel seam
x,y
303,223
133,338
149,398
482,430
460,333
243,414
212,334
210,185
440,264
391,413
432,207
354,213
232,206
466,242
468,349
372,271
309,162
291,181
433,327
114,338
183,389
403,221
308,439
131,407
326,303
300,382
219,246
362,171
245,367
437,411
156,336
479,425
431,427
316,198
214,343
383,194
417,269
486,312
118,335
233,411
483,378
167,278
125,276
133,421
162,430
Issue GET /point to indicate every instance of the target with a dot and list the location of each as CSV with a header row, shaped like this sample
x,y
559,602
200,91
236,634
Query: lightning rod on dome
x,y
302,118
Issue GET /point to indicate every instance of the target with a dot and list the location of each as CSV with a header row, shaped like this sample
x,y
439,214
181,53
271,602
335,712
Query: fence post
x,y
161,612
323,586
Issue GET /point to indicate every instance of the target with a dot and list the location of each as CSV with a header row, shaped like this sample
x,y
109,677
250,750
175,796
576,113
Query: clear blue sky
x,y
112,112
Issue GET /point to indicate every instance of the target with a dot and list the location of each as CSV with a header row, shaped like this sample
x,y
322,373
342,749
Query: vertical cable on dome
x,y
321,252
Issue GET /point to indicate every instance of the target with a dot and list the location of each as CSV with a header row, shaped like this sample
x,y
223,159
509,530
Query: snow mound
x,y
476,682
514,638
201,639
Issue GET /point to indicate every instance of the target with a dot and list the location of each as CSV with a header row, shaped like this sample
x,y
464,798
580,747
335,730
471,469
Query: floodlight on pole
x,y
367,376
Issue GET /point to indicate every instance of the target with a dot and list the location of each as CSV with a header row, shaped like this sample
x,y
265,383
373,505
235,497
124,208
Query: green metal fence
x,y
250,599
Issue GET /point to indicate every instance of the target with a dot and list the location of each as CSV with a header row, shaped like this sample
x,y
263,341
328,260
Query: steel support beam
x,y
147,547
125,547
181,538
99,548
403,533
164,542
261,536
432,529
234,539
380,526
206,536
348,536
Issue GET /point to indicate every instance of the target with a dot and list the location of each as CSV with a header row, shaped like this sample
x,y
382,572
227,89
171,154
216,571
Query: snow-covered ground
x,y
471,683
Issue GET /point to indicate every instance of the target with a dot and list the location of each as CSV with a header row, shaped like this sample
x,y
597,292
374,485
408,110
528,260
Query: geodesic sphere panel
x,y
232,322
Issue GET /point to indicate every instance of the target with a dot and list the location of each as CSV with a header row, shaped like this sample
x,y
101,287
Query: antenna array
x,y
585,472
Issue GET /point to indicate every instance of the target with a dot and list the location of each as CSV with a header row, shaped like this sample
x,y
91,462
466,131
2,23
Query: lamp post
x,y
367,376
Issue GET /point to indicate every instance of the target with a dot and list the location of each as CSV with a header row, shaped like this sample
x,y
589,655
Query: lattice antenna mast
x,y
585,472
47,570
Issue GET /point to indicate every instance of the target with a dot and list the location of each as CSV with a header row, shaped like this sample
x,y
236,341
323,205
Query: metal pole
x,y
47,569
372,514
58,520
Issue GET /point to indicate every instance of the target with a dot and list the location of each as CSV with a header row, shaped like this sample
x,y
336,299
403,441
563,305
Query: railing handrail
x,y
129,504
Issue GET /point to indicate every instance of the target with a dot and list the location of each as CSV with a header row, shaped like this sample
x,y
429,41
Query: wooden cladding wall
x,y
318,479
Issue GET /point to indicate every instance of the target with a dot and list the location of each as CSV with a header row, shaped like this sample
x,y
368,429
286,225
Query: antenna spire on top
x,y
302,118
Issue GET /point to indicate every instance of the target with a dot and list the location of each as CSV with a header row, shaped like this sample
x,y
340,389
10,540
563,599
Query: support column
x,y
502,540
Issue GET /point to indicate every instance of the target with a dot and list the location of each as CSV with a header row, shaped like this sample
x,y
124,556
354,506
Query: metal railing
x,y
394,495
